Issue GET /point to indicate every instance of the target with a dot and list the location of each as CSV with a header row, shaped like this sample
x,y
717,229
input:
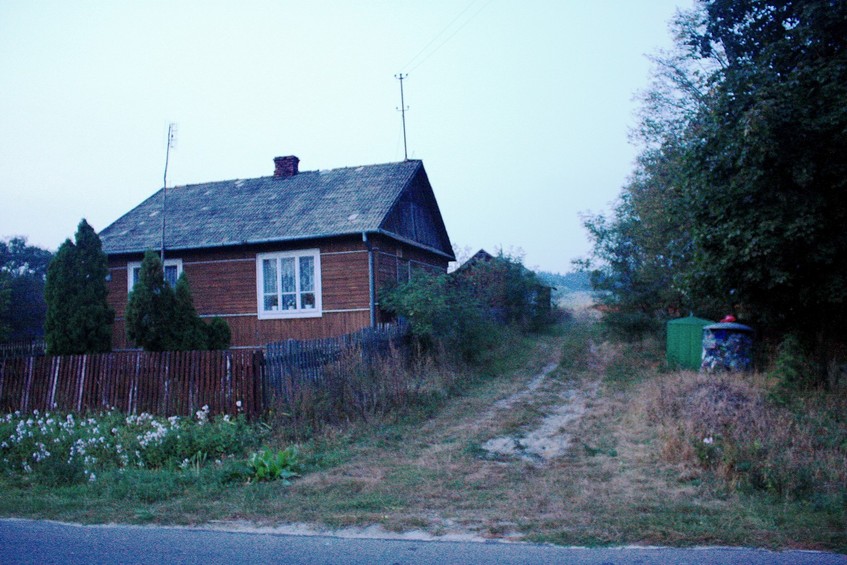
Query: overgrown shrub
x,y
793,369
443,315
463,313
353,391
509,291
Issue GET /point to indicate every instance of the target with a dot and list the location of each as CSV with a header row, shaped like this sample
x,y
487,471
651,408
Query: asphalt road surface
x,y
40,542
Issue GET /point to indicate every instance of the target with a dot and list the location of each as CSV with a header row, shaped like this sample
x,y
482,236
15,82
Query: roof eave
x,y
449,256
386,233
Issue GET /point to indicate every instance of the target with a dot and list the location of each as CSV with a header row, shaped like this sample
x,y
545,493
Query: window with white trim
x,y
288,284
173,269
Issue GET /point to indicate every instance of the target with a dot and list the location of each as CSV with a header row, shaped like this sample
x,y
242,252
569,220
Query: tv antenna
x,y
170,144
403,109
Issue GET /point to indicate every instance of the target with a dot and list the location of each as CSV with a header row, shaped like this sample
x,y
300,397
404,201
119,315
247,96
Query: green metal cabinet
x,y
685,342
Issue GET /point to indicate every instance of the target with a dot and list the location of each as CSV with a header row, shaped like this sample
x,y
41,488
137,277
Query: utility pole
x,y
170,144
403,109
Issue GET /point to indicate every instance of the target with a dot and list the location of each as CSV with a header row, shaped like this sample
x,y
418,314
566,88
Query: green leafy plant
x,y
265,465
56,449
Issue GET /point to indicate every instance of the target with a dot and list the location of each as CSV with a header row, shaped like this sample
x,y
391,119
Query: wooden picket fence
x,y
167,383
182,382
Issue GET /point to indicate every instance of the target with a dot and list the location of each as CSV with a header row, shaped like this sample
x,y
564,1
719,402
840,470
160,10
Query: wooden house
x,y
296,255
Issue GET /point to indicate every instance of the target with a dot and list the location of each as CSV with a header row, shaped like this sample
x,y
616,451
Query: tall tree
x,y
79,320
767,162
744,135
23,269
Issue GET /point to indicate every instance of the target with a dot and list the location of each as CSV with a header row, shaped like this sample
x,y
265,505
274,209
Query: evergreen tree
x,y
78,320
188,329
150,308
161,318
218,335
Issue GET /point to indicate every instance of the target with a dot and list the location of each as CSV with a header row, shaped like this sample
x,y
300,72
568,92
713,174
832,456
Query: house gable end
x,y
415,216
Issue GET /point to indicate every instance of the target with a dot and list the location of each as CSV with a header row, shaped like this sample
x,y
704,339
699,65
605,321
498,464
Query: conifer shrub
x,y
161,318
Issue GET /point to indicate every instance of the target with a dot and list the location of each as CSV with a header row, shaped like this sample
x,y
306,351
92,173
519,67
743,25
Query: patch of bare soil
x,y
553,436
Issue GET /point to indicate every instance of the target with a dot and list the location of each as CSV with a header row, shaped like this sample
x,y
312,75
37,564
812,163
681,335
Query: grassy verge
x,y
621,481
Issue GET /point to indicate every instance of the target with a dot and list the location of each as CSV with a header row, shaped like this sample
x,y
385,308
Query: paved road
x,y
27,541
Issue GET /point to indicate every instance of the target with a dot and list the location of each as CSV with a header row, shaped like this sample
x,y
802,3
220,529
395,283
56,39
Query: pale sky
x,y
520,110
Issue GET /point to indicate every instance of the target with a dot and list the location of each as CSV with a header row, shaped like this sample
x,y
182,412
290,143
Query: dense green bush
x,y
512,293
443,314
793,369
159,318
465,312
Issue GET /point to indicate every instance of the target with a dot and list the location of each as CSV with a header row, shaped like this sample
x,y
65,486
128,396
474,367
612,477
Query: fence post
x,y
81,383
27,383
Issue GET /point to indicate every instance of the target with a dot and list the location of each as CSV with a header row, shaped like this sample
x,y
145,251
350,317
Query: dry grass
x,y
733,426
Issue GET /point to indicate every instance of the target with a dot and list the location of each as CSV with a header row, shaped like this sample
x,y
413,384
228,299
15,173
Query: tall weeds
x,y
734,427
351,390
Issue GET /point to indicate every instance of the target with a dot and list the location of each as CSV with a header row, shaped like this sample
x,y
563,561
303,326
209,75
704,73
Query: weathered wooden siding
x,y
223,283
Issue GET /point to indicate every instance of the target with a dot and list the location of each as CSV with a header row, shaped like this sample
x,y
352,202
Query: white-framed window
x,y
173,269
288,284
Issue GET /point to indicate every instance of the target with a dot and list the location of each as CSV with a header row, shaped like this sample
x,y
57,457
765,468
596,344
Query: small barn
x,y
294,255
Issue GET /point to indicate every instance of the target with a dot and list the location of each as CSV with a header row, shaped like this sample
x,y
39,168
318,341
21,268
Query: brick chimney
x,y
285,166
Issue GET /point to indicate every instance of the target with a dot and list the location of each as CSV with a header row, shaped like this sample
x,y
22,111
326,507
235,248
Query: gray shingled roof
x,y
307,205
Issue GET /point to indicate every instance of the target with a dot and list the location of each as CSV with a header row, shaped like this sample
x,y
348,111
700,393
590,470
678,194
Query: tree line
x,y
737,201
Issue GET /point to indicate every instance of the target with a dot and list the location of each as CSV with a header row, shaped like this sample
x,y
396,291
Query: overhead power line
x,y
434,45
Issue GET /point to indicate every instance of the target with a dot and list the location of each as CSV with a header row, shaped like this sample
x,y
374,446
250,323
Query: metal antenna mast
x,y
170,144
403,109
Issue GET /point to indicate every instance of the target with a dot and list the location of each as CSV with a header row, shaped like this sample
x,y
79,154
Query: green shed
x,y
685,342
